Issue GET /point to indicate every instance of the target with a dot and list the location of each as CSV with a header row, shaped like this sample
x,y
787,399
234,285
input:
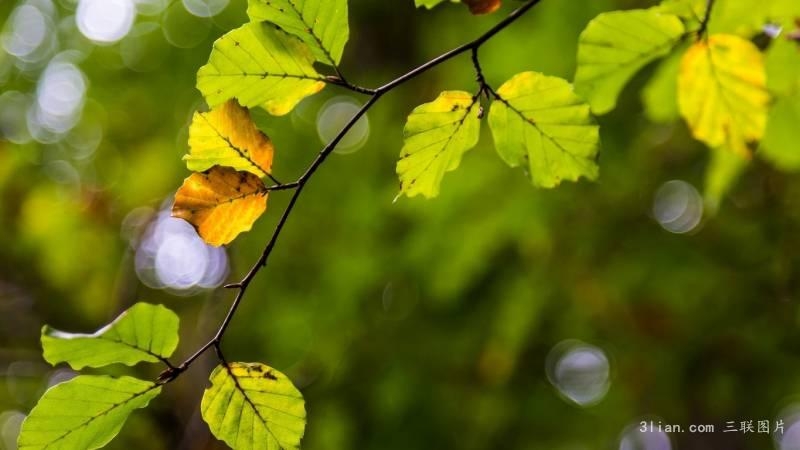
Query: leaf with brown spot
x,y
220,203
722,92
252,406
227,136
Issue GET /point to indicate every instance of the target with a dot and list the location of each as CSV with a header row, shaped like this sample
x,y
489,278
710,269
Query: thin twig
x,y
282,187
375,94
339,80
701,32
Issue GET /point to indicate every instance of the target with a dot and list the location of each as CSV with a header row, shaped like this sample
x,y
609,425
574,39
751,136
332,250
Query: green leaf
x,y
85,412
144,332
733,16
431,3
782,63
259,66
690,11
779,145
321,24
437,134
616,45
721,174
540,124
660,94
227,136
253,406
784,12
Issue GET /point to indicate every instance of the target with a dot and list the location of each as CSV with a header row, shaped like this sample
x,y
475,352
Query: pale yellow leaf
x,y
227,136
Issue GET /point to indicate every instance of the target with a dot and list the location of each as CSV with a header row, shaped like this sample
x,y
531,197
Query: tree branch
x,y
375,94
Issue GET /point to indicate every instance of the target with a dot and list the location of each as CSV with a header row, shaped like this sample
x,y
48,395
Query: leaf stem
x,y
375,94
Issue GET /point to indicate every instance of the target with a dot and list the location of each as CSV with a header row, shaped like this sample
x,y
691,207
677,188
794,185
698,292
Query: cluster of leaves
x,y
714,76
269,63
537,121
247,405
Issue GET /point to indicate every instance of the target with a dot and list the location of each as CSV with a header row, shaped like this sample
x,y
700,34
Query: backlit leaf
x,y
321,24
616,45
84,413
144,332
690,11
226,136
782,63
431,3
660,94
733,16
437,134
779,146
259,65
721,174
253,406
220,203
721,92
543,126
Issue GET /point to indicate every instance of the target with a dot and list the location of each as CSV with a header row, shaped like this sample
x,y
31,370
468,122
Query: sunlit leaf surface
x,y
226,136
437,134
85,412
543,126
220,203
144,332
321,24
722,92
253,406
616,45
259,65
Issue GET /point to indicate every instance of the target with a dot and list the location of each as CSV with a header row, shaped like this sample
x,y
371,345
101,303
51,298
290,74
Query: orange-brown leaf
x,y
483,6
220,203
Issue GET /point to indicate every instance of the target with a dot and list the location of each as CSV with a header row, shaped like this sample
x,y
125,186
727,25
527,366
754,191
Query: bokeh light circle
x,y
678,207
205,8
183,29
789,418
170,255
580,372
105,21
150,7
636,438
27,30
333,116
60,95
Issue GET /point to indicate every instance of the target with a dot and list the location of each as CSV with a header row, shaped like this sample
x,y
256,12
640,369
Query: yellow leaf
x,y
722,92
226,136
220,203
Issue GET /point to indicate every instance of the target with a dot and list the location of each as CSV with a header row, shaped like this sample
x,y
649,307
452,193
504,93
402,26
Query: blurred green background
x,y
495,316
